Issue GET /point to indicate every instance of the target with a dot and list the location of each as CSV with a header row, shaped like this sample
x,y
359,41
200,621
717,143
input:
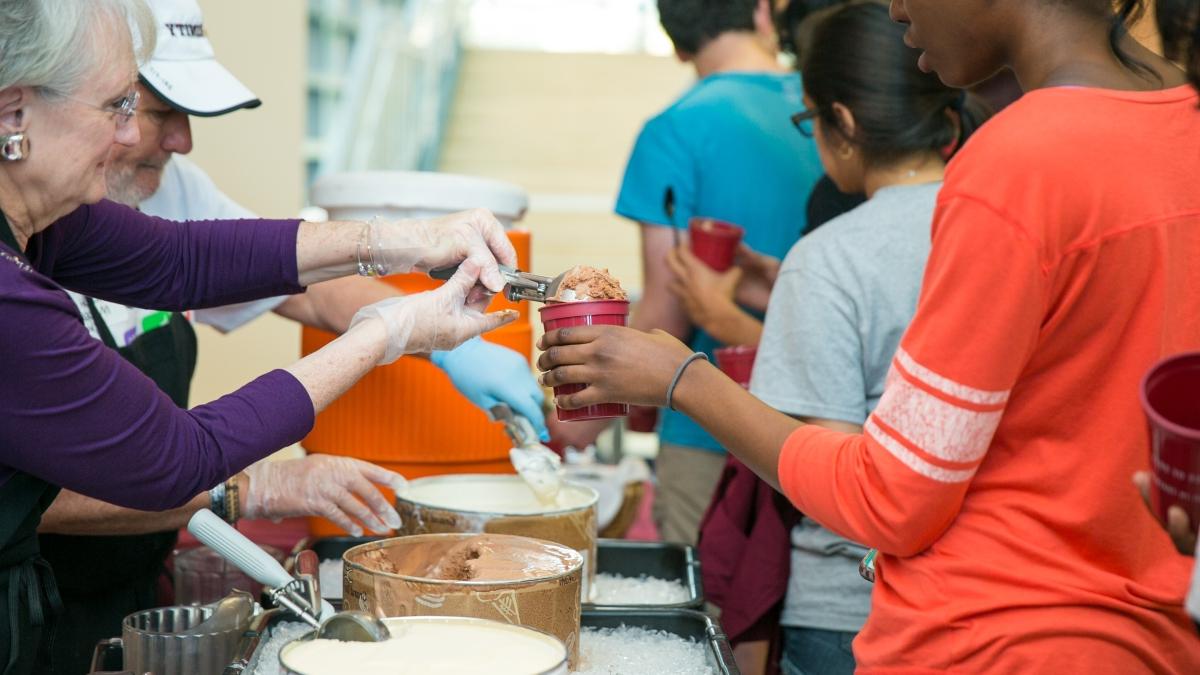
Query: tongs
x,y
520,285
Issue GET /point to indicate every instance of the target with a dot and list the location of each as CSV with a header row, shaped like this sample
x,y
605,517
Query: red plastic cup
x,y
737,362
1171,398
591,313
714,241
642,418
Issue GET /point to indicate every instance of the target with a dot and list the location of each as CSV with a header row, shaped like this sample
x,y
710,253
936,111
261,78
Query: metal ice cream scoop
x,y
521,285
353,627
301,596
539,466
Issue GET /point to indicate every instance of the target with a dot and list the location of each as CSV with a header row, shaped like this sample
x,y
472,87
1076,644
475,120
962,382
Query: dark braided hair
x,y
1127,13
1179,24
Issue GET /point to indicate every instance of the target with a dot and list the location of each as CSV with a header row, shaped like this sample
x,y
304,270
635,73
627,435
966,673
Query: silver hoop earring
x,y
14,147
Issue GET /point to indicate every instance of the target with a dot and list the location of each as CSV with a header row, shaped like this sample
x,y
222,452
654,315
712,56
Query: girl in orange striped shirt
x,y
994,474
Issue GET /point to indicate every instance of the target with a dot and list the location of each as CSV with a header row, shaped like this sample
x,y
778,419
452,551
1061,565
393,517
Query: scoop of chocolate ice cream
x,y
582,283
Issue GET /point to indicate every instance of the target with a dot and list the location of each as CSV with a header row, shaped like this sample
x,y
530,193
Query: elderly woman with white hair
x,y
74,413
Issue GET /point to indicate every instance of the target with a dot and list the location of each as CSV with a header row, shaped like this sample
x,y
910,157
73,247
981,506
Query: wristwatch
x,y
223,501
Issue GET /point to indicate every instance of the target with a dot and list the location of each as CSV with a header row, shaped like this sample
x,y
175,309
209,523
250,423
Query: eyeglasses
x,y
803,121
122,109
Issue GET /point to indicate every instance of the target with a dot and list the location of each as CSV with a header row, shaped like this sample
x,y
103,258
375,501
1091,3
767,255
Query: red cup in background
x,y
737,362
714,241
1171,398
591,313
642,419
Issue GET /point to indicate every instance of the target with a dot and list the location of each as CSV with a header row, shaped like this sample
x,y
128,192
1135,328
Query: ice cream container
x,y
391,578
714,241
589,313
737,362
502,505
434,646
362,195
1171,398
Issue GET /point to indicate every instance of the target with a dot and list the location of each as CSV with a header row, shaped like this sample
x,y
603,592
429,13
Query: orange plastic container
x,y
407,416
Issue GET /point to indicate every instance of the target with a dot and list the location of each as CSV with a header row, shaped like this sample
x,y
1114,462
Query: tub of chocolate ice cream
x,y
502,505
514,580
587,296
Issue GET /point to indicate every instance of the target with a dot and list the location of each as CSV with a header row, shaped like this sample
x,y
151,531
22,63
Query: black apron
x,y
29,600
103,579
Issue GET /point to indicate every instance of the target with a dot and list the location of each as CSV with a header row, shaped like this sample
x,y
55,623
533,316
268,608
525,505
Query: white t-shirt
x,y
186,193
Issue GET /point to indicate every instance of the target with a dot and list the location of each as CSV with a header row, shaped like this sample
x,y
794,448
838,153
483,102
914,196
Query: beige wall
x,y
255,157
562,127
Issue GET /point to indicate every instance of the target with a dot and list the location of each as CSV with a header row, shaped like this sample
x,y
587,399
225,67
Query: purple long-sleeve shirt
x,y
76,414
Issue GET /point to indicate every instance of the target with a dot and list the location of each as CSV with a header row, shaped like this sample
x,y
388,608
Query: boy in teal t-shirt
x,y
726,149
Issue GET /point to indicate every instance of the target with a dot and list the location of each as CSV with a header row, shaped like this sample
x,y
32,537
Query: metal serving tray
x,y
686,623
674,562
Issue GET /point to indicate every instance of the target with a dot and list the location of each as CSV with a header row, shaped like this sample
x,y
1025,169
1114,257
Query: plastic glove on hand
x,y
338,488
488,374
422,245
439,319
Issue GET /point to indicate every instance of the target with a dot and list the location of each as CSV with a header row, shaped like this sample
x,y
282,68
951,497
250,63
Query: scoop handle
x,y
511,275
237,549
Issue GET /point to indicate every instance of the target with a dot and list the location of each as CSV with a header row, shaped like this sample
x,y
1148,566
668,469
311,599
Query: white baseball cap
x,y
183,70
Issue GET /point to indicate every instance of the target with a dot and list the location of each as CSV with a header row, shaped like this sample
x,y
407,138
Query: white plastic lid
x,y
418,191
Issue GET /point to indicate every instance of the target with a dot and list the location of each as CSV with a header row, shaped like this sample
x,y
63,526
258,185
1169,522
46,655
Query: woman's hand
x,y
618,365
435,320
623,365
380,247
1183,533
759,272
444,241
341,489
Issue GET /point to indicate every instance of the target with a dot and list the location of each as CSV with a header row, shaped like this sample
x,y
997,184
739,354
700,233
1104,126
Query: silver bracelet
x,y
366,250
679,374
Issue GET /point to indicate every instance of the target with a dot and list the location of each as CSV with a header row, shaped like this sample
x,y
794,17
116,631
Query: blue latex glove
x,y
488,374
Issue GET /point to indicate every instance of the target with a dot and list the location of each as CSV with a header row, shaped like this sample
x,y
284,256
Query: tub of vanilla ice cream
x,y
427,645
